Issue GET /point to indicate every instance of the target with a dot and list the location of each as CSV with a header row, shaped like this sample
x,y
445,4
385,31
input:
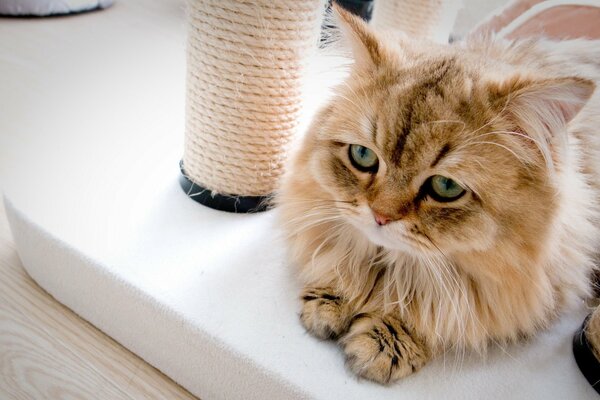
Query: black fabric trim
x,y
222,202
585,358
362,8
53,14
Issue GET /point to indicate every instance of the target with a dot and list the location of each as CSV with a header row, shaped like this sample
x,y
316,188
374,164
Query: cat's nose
x,y
381,219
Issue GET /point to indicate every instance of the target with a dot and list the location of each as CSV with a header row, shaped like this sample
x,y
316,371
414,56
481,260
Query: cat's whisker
x,y
542,147
498,115
460,322
337,265
356,96
499,145
315,223
315,212
435,272
448,121
325,206
512,133
470,313
306,225
358,107
333,227
327,233
309,201
320,212
323,210
450,273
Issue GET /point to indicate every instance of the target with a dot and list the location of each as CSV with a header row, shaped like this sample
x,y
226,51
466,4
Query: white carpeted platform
x,y
91,122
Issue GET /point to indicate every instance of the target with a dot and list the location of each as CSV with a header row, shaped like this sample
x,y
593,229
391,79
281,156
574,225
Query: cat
x,y
447,196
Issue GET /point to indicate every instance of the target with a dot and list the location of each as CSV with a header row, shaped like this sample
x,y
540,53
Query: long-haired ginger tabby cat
x,y
447,196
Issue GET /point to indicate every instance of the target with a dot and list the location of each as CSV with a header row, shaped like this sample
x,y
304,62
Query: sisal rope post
x,y
431,19
246,62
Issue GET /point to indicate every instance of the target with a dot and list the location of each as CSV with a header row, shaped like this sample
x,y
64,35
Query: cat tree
x,y
245,68
206,297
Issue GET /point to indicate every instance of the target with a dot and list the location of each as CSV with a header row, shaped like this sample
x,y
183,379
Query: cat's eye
x,y
363,158
444,189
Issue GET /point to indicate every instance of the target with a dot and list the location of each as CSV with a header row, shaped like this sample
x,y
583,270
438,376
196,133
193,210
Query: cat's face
x,y
429,156
410,162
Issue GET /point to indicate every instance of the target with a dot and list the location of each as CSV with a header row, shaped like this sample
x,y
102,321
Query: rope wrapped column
x,y
431,19
245,65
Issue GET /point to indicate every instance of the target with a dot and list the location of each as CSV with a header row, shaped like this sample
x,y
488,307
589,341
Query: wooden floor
x,y
48,352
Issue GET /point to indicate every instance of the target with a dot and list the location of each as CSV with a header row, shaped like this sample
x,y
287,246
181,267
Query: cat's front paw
x,y
381,349
323,313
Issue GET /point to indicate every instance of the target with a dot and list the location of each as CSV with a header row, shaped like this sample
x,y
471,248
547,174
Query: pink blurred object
x,y
555,19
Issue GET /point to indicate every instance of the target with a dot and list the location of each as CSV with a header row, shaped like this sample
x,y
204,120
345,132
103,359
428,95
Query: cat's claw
x,y
323,313
381,349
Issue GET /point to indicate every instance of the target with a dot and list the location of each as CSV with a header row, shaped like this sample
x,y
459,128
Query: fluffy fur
x,y
517,124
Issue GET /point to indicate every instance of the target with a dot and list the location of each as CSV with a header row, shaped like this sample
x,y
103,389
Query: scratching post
x,y
245,64
432,19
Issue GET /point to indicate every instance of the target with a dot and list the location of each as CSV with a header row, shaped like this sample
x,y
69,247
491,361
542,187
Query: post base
x,y
222,202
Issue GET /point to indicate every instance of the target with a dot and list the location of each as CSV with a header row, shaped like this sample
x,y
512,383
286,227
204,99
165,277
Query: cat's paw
x,y
381,349
323,313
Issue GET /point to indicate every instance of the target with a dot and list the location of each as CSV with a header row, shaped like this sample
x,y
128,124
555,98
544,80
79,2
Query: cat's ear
x,y
366,47
542,104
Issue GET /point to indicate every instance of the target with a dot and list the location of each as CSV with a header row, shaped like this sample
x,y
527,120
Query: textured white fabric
x,y
89,162
49,7
207,298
